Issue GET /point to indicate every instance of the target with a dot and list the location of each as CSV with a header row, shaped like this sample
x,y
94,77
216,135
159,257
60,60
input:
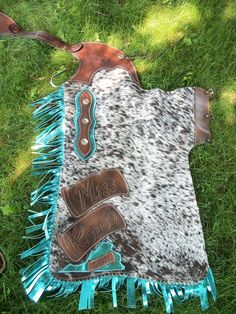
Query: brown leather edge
x,y
202,133
63,190
89,82
133,76
8,27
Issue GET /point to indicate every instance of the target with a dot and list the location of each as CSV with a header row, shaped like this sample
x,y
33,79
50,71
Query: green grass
x,y
176,44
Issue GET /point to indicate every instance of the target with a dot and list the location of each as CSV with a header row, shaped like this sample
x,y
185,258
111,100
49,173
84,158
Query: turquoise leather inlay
x,y
103,248
77,125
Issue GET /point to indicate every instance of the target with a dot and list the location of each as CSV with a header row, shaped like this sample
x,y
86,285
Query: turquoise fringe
x,y
37,277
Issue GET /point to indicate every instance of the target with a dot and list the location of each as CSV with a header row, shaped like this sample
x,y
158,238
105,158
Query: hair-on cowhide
x,y
148,134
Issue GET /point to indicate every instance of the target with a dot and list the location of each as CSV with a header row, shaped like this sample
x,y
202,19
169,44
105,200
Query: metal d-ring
x,y
55,75
209,91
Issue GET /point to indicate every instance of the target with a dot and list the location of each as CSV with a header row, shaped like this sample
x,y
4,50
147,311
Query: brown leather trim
x,y
9,27
95,56
99,262
84,129
94,189
93,227
201,116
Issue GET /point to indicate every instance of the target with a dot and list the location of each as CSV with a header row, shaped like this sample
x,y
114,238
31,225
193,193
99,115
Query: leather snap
x,y
208,116
85,120
85,101
209,140
84,141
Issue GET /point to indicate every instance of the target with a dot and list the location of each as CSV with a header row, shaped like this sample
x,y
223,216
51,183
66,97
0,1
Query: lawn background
x,y
176,44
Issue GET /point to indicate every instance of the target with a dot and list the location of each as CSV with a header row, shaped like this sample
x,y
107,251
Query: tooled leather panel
x,y
94,189
84,234
201,108
95,56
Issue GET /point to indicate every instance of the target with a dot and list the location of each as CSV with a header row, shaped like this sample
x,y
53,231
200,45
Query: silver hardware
x,y
85,101
209,140
121,56
208,116
209,91
85,120
84,141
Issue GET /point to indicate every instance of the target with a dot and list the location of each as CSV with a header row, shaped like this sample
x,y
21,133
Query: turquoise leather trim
x,y
103,248
77,128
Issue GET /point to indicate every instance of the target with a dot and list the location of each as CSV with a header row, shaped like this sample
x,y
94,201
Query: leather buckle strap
x,y
93,57
10,28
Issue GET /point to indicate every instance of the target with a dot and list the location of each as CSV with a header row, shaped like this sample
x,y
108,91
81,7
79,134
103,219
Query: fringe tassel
x,y
130,285
87,294
37,277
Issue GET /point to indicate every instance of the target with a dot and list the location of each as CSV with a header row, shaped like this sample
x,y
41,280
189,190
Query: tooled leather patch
x,y
94,56
94,189
99,262
94,226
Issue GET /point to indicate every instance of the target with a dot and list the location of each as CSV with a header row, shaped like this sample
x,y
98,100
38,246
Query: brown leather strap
x,y
93,56
201,116
9,27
